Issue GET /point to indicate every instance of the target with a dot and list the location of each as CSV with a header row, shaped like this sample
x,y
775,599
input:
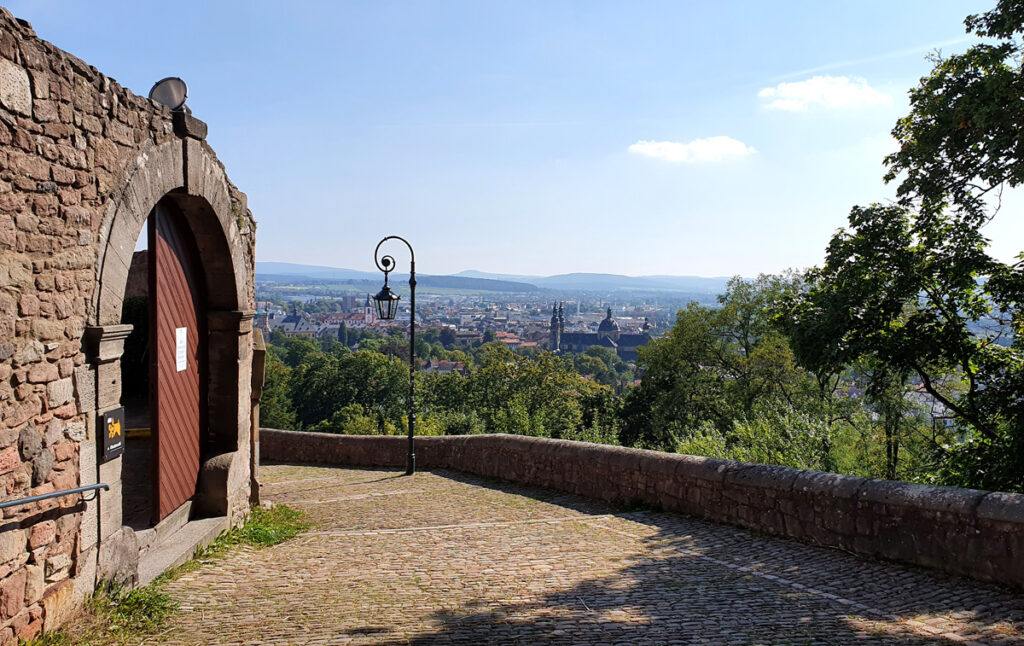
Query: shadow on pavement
x,y
695,582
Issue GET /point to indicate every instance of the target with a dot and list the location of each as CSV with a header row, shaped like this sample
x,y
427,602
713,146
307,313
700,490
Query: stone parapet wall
x,y
962,531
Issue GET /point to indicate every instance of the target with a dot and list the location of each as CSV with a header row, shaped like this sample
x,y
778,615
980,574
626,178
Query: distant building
x,y
354,317
295,324
608,335
444,367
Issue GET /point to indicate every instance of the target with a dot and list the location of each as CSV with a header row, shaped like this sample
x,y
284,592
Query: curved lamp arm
x,y
386,263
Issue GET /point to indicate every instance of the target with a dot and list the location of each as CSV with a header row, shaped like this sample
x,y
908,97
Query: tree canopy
x,y
912,286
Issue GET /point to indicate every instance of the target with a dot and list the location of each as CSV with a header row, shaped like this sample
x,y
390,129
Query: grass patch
x,y
267,527
142,610
116,615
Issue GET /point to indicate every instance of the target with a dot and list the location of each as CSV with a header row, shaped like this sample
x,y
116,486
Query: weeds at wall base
x,y
116,614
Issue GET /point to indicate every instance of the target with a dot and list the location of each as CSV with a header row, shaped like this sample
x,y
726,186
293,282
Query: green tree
x,y
298,350
275,404
912,286
325,384
541,395
447,337
776,433
717,365
961,140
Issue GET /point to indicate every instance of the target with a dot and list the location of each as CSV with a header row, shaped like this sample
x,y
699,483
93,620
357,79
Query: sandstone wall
x,y
974,533
77,153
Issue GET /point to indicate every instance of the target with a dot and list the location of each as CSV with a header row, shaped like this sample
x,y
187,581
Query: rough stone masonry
x,y
82,162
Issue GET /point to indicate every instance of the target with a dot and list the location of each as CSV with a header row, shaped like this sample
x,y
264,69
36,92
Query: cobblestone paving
x,y
447,558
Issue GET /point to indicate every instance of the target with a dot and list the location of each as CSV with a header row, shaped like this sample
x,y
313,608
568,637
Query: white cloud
x,y
712,149
829,91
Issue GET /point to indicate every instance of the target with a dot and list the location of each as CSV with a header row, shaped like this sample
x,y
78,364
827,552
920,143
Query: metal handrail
x,y
55,494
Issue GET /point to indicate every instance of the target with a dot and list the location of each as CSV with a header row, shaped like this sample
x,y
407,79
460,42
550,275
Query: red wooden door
x,y
178,373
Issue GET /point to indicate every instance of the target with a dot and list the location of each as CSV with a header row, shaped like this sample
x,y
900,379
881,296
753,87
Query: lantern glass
x,y
387,303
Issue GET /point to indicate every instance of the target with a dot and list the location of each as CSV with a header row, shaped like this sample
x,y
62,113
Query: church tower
x,y
556,334
561,325
368,316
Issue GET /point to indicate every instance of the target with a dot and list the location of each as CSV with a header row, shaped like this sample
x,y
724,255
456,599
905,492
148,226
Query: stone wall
x,y
82,161
974,533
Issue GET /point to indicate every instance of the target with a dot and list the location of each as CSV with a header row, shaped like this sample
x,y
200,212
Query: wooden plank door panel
x,y
177,388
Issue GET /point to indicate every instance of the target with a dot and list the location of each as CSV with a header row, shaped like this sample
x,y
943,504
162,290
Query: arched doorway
x,y
200,244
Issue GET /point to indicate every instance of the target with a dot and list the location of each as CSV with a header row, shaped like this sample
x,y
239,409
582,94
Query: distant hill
x,y
613,282
313,271
483,281
286,271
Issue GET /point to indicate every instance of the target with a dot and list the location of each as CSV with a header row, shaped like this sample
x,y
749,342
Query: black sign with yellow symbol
x,y
112,432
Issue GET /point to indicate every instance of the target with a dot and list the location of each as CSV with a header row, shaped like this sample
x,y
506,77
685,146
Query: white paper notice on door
x,y
181,347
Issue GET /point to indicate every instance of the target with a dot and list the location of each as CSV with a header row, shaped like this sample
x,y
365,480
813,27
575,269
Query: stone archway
x,y
183,172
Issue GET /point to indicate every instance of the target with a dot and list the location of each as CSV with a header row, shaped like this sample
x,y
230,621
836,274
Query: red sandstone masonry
x,y
74,147
978,534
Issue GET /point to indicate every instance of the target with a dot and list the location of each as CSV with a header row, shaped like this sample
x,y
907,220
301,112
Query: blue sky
x,y
712,138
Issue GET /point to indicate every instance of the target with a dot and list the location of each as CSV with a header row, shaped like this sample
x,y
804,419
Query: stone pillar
x,y
101,523
259,361
224,480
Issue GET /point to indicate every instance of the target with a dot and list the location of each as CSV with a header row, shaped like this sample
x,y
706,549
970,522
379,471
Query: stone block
x,y
42,373
119,557
1003,507
9,459
66,367
58,605
47,330
59,392
108,385
762,477
185,125
12,594
63,451
42,533
85,387
42,466
18,269
30,442
54,433
31,352
85,575
35,584
105,343
15,89
89,534
32,627
28,305
57,566
76,431
12,544
8,436
62,480
110,501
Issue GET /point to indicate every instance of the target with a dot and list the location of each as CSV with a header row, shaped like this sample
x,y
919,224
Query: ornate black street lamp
x,y
387,308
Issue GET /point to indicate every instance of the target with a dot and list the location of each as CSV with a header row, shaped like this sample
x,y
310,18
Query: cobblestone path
x,y
447,558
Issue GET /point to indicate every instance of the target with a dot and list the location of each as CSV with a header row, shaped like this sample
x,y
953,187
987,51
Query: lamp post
x,y
387,308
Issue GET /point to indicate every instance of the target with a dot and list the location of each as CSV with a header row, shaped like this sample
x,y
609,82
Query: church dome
x,y
608,324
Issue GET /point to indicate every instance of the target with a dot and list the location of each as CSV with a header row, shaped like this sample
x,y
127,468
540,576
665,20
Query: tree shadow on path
x,y
693,582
